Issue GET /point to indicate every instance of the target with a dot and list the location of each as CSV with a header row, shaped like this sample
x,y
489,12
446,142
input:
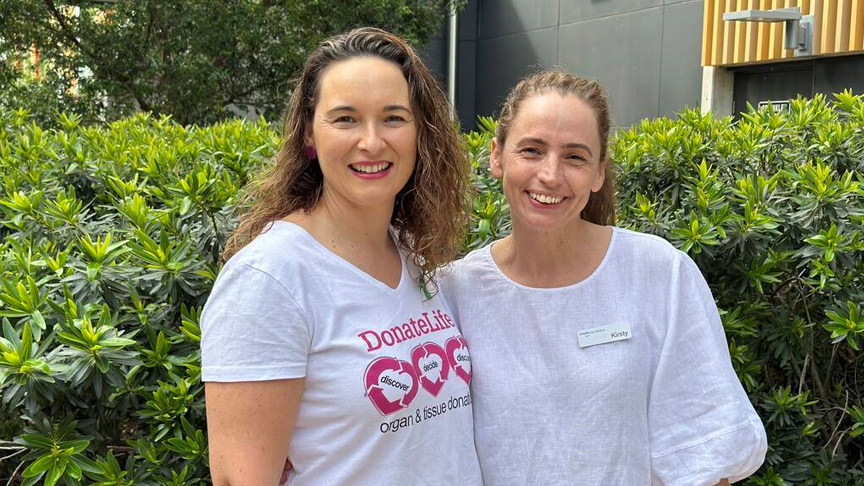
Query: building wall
x,y
435,55
645,52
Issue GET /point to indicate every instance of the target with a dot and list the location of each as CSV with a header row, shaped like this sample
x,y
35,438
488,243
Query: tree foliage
x,y
196,60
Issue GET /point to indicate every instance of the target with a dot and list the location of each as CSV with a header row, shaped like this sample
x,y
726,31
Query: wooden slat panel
x,y
838,27
729,35
775,48
708,23
740,34
717,40
763,33
829,26
816,12
752,35
856,33
787,53
844,25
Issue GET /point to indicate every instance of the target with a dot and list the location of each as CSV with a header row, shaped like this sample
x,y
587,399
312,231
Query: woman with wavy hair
x,y
323,340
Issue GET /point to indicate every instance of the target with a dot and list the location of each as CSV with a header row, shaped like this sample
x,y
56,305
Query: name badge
x,y
604,334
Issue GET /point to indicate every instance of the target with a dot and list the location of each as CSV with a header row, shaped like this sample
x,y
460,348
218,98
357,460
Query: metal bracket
x,y
799,36
798,28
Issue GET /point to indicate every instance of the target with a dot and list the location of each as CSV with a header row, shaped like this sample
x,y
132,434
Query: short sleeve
x,y
702,426
252,329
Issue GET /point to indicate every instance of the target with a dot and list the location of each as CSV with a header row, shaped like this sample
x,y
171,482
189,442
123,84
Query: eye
x,y
395,120
530,151
344,119
576,158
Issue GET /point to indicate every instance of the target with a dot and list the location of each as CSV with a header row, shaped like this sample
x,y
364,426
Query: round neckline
x,y
488,255
296,228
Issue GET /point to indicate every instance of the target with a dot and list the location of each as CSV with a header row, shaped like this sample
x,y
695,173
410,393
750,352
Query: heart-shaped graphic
x,y
459,357
391,384
432,366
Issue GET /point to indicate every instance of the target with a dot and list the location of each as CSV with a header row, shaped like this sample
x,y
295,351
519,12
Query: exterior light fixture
x,y
799,28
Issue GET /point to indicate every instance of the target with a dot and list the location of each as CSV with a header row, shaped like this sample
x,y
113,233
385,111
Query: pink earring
x,y
311,153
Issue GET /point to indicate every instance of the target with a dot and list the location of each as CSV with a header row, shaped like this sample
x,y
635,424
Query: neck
x,y
339,224
552,258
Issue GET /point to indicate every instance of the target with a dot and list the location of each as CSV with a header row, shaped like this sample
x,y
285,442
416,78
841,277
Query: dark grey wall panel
x,y
578,10
623,53
777,83
502,61
680,70
646,52
468,21
466,80
786,80
434,54
503,17
835,74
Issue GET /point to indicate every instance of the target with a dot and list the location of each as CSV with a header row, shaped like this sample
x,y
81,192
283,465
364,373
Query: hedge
x,y
110,244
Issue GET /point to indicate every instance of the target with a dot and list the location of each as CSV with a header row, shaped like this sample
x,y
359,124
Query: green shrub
x,y
111,238
772,210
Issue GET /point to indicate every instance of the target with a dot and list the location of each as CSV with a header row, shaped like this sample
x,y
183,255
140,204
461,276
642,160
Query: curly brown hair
x,y
601,204
429,214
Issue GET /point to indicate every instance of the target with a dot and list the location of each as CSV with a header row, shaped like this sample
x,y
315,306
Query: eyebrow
x,y
573,145
351,109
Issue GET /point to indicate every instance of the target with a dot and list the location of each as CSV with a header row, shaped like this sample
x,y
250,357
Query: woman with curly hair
x,y
323,340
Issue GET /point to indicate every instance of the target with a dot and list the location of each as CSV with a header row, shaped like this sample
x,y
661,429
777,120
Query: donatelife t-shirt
x,y
387,398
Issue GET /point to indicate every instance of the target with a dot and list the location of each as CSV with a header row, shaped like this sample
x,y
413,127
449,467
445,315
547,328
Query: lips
x,y
545,201
545,198
370,167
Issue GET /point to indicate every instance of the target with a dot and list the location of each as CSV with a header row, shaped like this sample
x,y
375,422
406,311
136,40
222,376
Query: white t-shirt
x,y
387,373
660,406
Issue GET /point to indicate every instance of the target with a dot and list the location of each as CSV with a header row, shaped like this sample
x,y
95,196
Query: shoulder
x,y
283,252
474,264
643,241
455,278
279,244
643,249
257,282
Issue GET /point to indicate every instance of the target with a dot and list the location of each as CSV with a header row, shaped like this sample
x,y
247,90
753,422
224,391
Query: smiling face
x,y
364,132
550,161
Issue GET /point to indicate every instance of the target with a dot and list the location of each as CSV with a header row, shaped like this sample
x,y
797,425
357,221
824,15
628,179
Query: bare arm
x,y
723,482
249,425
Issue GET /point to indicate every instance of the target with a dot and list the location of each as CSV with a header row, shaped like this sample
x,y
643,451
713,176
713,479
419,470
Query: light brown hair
x,y
601,204
430,213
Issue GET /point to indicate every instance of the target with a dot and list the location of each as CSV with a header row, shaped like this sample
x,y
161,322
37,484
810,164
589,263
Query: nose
x,y
549,172
370,139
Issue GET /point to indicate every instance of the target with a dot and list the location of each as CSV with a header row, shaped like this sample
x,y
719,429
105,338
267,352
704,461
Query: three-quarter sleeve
x,y
702,426
252,329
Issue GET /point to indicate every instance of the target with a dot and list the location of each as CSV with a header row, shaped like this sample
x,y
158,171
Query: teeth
x,y
371,169
545,199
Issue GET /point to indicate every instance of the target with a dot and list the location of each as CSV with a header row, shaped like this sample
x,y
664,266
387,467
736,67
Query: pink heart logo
x,y
391,384
432,366
460,359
